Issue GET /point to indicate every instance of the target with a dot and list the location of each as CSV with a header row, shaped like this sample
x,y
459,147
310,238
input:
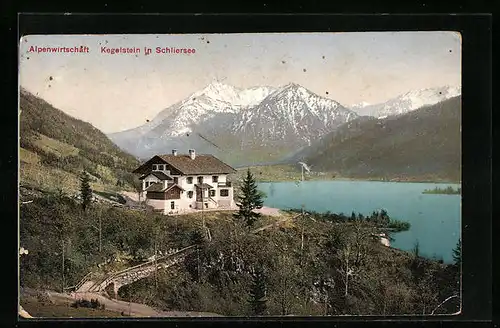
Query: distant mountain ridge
x,y
292,113
254,124
407,102
424,143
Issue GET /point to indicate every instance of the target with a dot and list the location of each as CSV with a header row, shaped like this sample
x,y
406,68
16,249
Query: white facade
x,y
219,196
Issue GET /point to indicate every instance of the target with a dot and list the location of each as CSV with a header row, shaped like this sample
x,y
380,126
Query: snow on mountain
x,y
293,113
205,104
237,98
285,117
360,105
201,105
409,101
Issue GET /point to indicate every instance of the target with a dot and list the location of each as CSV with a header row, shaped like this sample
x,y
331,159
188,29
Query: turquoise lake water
x,y
435,219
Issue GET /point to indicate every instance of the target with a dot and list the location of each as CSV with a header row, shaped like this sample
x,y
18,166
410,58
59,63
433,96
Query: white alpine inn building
x,y
179,183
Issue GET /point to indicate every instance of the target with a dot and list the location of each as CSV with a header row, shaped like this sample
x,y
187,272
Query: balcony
x,y
224,184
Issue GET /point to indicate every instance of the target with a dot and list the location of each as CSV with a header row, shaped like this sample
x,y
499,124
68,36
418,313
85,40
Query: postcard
x,y
237,175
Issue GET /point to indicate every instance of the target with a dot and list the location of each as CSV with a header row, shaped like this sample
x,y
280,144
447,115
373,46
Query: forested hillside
x,y
424,144
299,276
56,147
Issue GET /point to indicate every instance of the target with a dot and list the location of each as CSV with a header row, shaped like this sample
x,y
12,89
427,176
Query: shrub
x,y
92,304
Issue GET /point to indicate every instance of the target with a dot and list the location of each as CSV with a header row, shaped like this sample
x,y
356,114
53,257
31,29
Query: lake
x,y
435,219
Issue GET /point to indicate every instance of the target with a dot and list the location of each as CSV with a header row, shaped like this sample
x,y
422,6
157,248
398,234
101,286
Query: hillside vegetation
x,y
56,147
301,276
424,144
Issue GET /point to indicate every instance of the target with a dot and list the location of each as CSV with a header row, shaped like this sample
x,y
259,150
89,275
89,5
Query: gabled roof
x,y
160,175
158,187
170,186
203,186
202,164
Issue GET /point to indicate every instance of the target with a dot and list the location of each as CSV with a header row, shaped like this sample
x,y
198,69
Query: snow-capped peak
x,y
218,91
232,95
409,101
360,104
292,112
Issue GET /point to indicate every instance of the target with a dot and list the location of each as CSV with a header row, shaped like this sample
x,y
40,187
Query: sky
x,y
116,92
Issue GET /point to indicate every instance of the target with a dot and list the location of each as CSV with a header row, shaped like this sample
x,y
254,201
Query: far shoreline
x,y
361,180
289,173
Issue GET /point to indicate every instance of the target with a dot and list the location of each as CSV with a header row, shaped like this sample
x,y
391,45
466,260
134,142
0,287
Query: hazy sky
x,y
115,92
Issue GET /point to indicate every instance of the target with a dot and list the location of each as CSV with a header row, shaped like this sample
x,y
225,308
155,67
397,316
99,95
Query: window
x,y
212,193
155,167
190,180
172,205
224,192
176,180
190,194
200,180
215,178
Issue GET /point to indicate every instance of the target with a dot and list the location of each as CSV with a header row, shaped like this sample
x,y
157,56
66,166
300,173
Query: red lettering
x,y
168,50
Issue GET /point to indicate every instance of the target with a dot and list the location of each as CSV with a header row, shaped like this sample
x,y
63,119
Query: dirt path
x,y
270,211
132,309
275,224
132,198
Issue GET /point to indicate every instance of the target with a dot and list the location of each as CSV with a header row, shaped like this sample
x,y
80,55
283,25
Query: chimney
x,y
174,152
192,153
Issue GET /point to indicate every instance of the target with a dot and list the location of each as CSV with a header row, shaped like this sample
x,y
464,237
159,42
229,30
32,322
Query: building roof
x,y
203,186
160,175
202,164
158,187
171,185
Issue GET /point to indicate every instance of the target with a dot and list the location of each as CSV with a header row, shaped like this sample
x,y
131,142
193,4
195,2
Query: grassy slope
x,y
421,145
279,172
56,147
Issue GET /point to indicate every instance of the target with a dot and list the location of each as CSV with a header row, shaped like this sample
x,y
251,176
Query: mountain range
x,y
256,126
252,125
420,144
407,102
259,124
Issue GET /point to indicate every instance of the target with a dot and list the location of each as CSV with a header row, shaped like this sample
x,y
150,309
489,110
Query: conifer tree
x,y
85,190
353,216
249,200
416,249
258,297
